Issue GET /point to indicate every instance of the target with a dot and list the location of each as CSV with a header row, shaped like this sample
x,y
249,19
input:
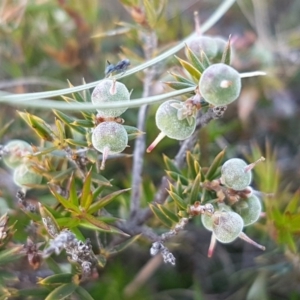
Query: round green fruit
x,y
235,175
15,153
110,91
207,221
205,44
25,177
249,209
220,84
170,125
110,135
227,226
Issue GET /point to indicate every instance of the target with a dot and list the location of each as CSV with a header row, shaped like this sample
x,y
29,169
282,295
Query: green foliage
x,y
84,213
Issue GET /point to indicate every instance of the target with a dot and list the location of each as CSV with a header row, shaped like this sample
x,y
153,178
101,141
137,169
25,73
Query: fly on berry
x,y
120,67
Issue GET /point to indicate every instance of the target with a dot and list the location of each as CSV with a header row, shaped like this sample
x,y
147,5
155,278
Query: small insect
x,y
121,66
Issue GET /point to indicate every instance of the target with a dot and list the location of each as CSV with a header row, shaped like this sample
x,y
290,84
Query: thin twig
x,y
140,142
161,194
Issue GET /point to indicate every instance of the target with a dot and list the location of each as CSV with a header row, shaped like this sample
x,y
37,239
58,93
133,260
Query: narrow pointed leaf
x,y
166,221
105,200
179,188
49,221
5,127
53,265
191,165
43,151
69,121
63,201
12,254
73,198
77,96
86,196
41,128
60,175
194,60
56,279
24,116
204,60
182,79
132,132
176,176
83,123
124,245
150,13
226,56
170,164
38,125
215,165
67,222
86,94
62,292
78,233
198,168
100,224
83,294
97,192
63,117
178,200
178,85
194,193
79,129
294,223
61,130
293,204
93,220
100,180
77,143
169,214
101,259
33,293
190,68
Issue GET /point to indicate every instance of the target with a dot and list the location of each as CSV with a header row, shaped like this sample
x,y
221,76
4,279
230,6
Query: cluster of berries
x,y
109,136
15,155
242,207
219,85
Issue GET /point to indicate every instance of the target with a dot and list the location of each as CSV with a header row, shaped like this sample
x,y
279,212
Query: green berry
x,y
169,124
110,91
15,153
249,209
227,226
207,219
235,174
110,134
109,138
207,222
25,177
205,44
220,84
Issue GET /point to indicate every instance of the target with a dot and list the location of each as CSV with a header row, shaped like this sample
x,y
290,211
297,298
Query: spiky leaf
x,y
178,200
195,61
215,165
190,68
226,56
169,214
62,292
56,279
105,201
161,216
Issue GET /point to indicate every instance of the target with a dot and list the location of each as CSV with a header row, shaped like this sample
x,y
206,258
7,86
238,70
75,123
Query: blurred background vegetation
x,y
44,43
